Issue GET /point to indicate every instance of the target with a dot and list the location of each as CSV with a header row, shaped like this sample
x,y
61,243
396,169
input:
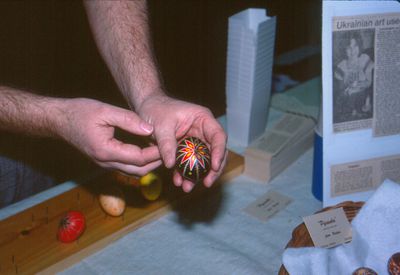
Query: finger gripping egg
x,y
193,159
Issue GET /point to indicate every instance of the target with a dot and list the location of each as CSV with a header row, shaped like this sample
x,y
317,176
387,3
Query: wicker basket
x,y
301,237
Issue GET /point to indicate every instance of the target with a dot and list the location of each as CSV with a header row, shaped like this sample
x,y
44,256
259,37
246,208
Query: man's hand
x,y
174,119
121,31
89,125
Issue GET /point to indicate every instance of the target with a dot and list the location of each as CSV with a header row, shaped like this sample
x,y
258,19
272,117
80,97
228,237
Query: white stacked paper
x,y
278,147
251,40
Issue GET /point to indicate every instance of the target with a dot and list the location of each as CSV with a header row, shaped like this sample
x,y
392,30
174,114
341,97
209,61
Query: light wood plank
x,y
28,242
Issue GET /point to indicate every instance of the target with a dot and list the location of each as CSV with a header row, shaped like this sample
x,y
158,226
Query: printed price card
x,y
329,228
268,205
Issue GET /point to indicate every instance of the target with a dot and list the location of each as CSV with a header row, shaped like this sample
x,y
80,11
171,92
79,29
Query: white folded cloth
x,y
376,237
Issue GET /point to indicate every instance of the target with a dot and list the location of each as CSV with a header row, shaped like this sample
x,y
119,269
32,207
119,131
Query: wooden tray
x,y
301,237
28,243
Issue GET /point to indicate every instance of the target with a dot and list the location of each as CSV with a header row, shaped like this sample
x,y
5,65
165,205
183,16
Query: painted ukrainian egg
x,y
394,264
193,159
364,271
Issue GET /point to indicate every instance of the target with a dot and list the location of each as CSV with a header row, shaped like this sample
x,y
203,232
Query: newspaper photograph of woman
x,y
353,68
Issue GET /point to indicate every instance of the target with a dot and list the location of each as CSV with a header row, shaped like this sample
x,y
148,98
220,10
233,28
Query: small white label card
x,y
329,228
268,205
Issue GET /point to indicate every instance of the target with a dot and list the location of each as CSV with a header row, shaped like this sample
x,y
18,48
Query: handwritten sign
x,y
329,228
268,205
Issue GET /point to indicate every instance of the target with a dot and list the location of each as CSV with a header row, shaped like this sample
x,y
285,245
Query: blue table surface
x,y
215,236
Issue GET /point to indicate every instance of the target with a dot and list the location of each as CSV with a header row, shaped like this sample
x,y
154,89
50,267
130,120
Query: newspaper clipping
x,y
366,73
364,175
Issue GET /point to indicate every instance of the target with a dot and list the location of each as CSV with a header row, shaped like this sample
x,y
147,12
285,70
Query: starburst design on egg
x,y
193,159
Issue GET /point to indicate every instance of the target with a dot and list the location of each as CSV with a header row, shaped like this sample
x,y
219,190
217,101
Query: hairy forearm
x,y
28,113
122,34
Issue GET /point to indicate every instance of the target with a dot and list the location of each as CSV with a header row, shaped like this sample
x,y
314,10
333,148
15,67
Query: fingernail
x,y
147,127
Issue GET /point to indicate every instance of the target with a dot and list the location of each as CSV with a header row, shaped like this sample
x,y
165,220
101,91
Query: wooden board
x,y
28,242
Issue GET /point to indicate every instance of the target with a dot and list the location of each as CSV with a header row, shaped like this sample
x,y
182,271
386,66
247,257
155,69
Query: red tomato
x,y
71,226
